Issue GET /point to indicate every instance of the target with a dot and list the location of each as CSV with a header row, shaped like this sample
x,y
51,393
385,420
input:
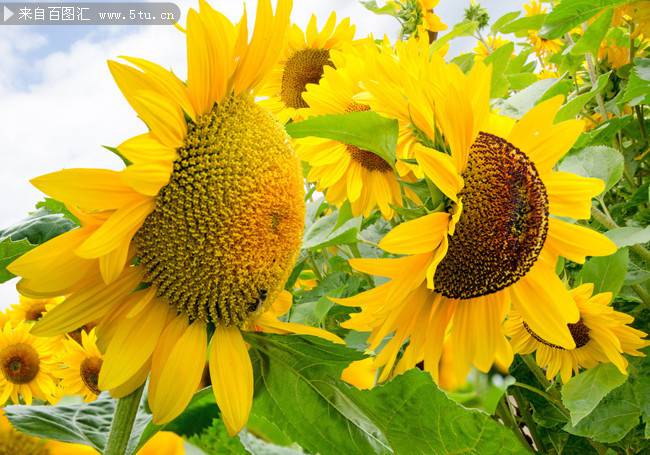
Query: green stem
x,y
536,370
125,413
503,411
640,117
643,295
609,223
314,267
548,397
527,418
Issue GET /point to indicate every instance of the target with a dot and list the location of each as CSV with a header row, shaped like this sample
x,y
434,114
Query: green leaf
x,y
215,439
366,130
84,423
606,272
572,108
499,59
9,252
465,28
612,419
627,236
598,161
53,206
390,8
585,391
324,233
638,87
520,103
298,388
524,24
520,81
592,37
567,14
503,20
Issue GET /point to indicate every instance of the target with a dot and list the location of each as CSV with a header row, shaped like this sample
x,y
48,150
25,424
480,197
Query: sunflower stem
x,y
123,419
505,414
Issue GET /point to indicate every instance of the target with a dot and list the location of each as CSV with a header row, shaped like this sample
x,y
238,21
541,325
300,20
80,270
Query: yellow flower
x,y
82,363
27,364
163,443
346,172
496,243
492,43
200,231
12,442
431,21
31,310
548,73
614,54
534,8
302,62
362,374
601,335
637,13
544,47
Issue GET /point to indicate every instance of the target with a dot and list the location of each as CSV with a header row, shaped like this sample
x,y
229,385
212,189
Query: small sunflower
x,y
27,365
601,335
496,243
31,310
344,171
303,61
82,363
431,21
196,237
484,48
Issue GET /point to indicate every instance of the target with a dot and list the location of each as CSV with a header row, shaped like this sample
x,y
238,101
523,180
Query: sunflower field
x,y
327,243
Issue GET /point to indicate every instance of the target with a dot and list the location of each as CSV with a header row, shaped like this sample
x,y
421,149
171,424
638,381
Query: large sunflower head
x,y
27,365
346,172
496,242
81,363
601,335
196,236
303,61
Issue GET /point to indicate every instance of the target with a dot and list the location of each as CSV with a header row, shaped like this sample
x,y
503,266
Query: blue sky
x,y
59,104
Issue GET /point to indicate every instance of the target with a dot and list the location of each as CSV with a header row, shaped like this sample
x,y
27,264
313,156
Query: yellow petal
x,y
546,305
168,339
132,345
145,149
198,64
90,189
441,169
266,322
164,118
119,228
231,372
136,381
570,195
421,235
186,360
112,264
388,267
362,374
576,242
147,179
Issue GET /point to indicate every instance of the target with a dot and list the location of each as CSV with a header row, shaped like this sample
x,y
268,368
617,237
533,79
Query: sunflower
x,y
484,48
431,21
27,365
13,442
31,310
601,335
193,241
344,171
494,244
544,47
82,364
304,58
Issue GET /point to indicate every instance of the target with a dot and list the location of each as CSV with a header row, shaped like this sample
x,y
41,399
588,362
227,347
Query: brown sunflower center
x,y
579,333
227,227
303,67
503,224
35,311
89,371
364,158
20,363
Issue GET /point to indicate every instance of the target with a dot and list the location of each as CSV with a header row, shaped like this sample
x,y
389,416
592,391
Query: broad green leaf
x,y
215,439
638,87
627,236
366,130
598,161
465,28
612,419
593,35
606,272
572,108
53,206
503,20
9,252
520,103
499,59
582,393
84,423
324,233
520,81
257,446
640,379
298,388
524,24
570,13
